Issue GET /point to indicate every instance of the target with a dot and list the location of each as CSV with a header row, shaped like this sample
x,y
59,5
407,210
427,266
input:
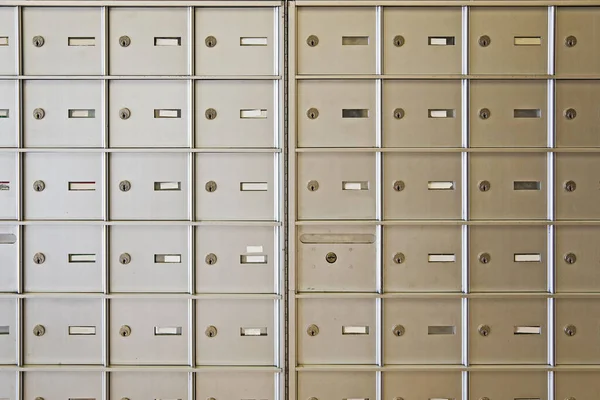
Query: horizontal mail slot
x,y
167,41
440,185
355,113
441,330
167,113
441,40
167,331
528,330
255,259
4,330
82,113
82,258
167,258
3,40
160,186
527,185
253,113
355,40
254,186
82,41
5,185
527,113
4,113
528,257
441,258
355,330
253,41
438,113
82,330
364,185
528,41
254,249
253,331
337,238
82,186
8,238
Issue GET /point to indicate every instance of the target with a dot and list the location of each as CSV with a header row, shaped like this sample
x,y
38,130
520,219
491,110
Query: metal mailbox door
x,y
236,41
422,385
336,186
340,385
150,385
576,384
508,258
9,112
422,113
422,40
336,258
508,331
336,331
65,258
346,47
149,259
419,331
576,331
8,385
73,119
577,195
508,40
577,113
236,332
8,333
236,186
53,385
149,331
422,186
236,259
63,331
508,385
8,50
507,186
63,186
8,186
422,258
235,385
62,41
148,41
577,41
508,114
149,186
148,113
577,256
336,113
236,113
8,254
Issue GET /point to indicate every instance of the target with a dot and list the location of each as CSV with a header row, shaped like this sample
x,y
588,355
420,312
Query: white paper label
x,y
355,330
254,186
82,41
254,113
82,186
3,40
531,257
167,258
528,330
82,330
167,330
435,185
441,258
253,41
82,258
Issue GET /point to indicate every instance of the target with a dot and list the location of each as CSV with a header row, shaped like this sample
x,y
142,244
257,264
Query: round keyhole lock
x,y
484,113
124,41
313,186
570,330
39,113
125,331
570,258
331,257
39,186
210,114
210,259
399,186
570,398
570,186
312,113
570,41
124,186
210,41
399,258
570,113
312,330
398,330
125,258
210,398
313,398
312,41
399,113
485,258
38,41
484,186
39,258
484,41
39,330
484,398
211,331
124,398
39,398
124,113
210,186
398,41
484,330
398,398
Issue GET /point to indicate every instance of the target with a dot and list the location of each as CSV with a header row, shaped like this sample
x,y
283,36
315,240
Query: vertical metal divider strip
x,y
465,200
19,178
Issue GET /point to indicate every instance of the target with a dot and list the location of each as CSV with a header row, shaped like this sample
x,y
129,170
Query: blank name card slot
x,y
82,258
167,41
82,41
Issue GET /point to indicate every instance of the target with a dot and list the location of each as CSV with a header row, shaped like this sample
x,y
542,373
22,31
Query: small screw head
x,y
570,258
211,331
39,186
570,113
313,186
125,258
124,113
484,186
484,113
38,41
210,41
210,186
124,186
399,113
484,41
398,330
484,258
125,331
39,258
398,40
39,330
399,258
399,186
570,186
312,41
210,259
484,330
312,113
312,330
124,41
39,113
331,257
570,330
210,114
570,41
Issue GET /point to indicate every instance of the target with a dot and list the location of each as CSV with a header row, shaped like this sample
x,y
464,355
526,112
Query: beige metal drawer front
x,y
8,38
336,331
8,194
508,258
513,385
577,113
422,258
577,41
422,331
577,194
9,249
337,258
576,385
156,385
422,385
9,111
236,385
508,331
577,255
62,385
422,113
340,385
8,385
8,339
577,331
422,40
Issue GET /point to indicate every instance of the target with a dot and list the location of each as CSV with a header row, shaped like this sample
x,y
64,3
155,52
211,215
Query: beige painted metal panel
x,y
422,385
8,340
577,186
8,111
9,248
577,384
579,56
8,194
577,256
155,385
577,113
576,332
8,33
508,385
236,385
340,385
60,385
